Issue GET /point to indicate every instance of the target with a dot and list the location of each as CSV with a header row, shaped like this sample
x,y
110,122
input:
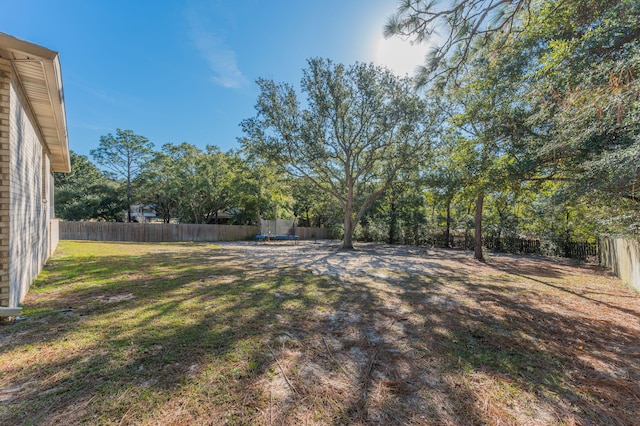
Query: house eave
x,y
37,70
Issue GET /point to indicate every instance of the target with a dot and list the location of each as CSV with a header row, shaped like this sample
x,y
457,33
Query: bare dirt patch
x,y
434,337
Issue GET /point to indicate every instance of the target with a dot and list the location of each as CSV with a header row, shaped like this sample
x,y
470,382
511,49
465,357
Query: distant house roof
x,y
38,72
224,215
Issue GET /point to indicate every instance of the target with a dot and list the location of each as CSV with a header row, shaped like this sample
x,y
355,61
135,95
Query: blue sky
x,y
184,70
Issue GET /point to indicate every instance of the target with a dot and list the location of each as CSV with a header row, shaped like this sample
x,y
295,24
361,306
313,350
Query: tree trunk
x,y
166,214
349,225
128,200
307,221
478,235
129,176
347,242
393,222
447,234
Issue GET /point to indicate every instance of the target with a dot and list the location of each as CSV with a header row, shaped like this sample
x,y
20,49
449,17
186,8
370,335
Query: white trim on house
x,y
40,79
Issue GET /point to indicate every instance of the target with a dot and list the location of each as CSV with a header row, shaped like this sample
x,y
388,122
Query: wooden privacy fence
x,y
285,227
314,233
622,256
163,232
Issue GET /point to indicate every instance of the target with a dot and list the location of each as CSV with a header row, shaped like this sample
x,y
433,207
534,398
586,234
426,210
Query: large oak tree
x,y
360,125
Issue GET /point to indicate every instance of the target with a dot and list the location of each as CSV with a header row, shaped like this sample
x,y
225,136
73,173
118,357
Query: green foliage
x,y
188,184
159,186
401,215
361,126
86,193
551,96
260,189
124,154
587,82
183,183
312,206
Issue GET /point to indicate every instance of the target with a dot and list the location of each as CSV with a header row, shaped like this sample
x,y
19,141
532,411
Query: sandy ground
x,y
572,328
375,260
326,258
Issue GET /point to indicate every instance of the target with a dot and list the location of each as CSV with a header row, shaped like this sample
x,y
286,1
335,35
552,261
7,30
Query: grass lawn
x,y
187,334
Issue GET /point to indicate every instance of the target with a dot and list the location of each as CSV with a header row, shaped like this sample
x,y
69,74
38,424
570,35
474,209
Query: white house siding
x,y
29,209
5,73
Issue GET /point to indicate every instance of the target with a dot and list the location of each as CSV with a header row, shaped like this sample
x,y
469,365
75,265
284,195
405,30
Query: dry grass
x,y
188,334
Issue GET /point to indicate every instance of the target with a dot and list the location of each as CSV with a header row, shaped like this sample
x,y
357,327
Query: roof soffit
x,y
38,72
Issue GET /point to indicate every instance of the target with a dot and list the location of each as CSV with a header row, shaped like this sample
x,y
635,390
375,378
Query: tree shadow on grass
x,y
492,350
467,347
199,334
526,274
560,366
211,337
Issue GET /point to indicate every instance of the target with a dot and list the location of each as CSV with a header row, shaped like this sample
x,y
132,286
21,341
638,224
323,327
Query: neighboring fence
x,y
622,255
513,245
285,227
162,232
575,250
314,233
464,242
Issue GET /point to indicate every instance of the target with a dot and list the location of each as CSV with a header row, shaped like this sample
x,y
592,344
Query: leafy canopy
x,y
360,125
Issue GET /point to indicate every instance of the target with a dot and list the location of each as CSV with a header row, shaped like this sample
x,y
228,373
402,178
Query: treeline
x,y
189,185
184,184
525,125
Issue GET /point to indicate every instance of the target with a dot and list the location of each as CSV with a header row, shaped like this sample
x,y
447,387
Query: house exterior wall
x,y
5,79
28,192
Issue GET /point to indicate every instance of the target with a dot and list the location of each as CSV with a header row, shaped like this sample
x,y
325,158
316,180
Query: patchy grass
x,y
195,334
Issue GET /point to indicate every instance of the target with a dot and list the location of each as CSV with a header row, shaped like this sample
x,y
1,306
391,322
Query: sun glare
x,y
399,55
